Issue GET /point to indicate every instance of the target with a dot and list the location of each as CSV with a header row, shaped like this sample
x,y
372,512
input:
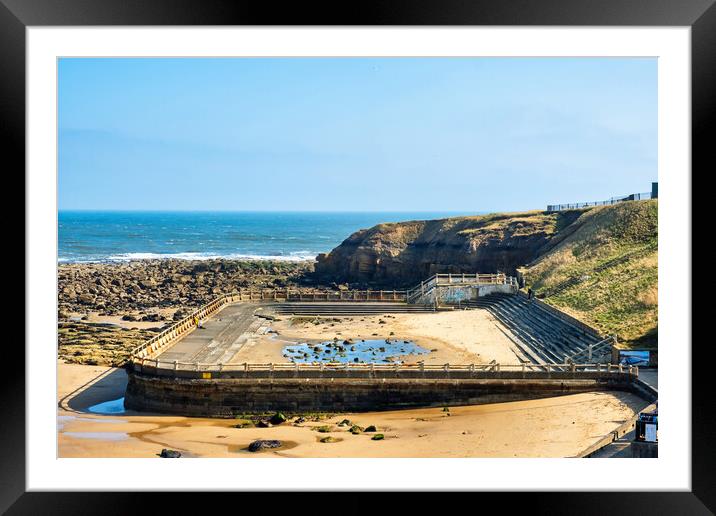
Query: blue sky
x,y
374,134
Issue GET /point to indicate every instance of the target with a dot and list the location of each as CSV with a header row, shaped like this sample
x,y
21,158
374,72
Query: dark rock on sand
x,y
170,454
264,444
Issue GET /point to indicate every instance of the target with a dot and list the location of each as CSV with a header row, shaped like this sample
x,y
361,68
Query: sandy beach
x,y
551,427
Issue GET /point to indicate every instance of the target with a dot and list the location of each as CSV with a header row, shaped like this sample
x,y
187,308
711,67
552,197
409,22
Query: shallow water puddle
x,y
356,351
64,419
108,407
102,436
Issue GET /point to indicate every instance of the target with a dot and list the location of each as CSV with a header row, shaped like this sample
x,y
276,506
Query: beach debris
x,y
170,454
264,444
377,437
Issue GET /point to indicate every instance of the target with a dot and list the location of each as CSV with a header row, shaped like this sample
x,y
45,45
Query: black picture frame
x,y
700,15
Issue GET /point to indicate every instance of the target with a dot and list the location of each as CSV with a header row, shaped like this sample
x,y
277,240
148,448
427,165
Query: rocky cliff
x,y
401,254
599,265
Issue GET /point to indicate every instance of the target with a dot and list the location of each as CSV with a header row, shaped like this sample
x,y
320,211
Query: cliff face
x,y
401,254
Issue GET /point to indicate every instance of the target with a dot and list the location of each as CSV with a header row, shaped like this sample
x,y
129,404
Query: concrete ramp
x,y
219,340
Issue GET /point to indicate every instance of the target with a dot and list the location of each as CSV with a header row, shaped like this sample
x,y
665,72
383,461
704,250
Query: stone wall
x,y
229,397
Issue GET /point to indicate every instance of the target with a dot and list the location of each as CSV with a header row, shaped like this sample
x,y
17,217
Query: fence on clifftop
x,y
608,202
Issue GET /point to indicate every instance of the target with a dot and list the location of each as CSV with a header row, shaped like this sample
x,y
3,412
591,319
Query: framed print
x,y
421,240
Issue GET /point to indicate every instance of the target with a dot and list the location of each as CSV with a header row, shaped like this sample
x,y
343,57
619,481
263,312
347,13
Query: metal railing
x,y
592,349
444,280
613,200
371,370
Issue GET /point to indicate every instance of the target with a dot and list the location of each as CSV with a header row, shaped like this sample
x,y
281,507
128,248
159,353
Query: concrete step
x,y
528,337
552,332
514,316
572,338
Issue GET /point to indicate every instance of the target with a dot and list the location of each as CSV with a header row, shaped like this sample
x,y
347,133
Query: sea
x,y
115,236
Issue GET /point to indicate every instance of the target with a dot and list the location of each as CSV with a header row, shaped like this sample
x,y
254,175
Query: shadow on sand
x,y
107,386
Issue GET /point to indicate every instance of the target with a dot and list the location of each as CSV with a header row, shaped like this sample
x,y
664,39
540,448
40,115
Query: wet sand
x,y
458,337
551,427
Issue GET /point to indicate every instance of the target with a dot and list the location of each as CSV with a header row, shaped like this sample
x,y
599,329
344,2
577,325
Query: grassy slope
x,y
611,260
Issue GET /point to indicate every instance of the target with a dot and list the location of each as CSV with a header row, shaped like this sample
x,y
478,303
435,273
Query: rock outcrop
x,y
401,254
116,288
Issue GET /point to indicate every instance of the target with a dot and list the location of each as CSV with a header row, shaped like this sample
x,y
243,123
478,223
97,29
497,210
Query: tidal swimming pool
x,y
354,351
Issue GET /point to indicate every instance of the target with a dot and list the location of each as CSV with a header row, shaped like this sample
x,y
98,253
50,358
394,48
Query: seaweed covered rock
x,y
278,418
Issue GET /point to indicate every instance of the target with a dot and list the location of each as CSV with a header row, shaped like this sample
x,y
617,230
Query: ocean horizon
x,y
119,236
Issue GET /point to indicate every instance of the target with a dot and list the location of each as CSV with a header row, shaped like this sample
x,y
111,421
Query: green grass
x,y
612,261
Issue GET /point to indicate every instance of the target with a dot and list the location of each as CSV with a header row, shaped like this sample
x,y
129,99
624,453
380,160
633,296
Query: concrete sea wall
x,y
226,397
